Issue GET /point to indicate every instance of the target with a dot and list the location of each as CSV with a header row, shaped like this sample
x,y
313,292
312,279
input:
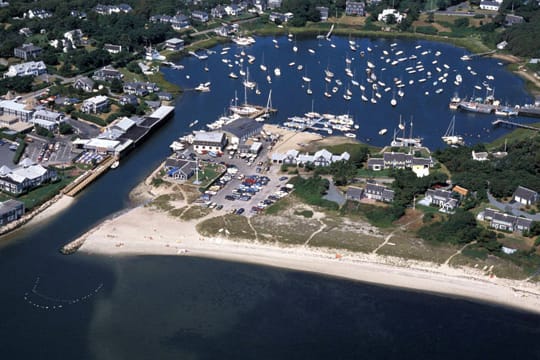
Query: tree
x,y
117,86
462,22
65,128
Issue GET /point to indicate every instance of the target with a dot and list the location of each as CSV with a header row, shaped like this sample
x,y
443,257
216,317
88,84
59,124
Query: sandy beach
x,y
144,231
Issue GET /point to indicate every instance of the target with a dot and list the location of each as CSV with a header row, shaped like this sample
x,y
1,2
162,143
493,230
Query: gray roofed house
x,y
375,164
323,12
506,222
107,73
354,193
27,51
378,192
30,68
163,95
24,177
180,168
85,84
199,15
128,99
355,8
11,210
525,196
443,199
397,160
174,44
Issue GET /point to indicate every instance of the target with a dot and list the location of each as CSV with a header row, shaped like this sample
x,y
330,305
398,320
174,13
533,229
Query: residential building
x,y
525,196
443,199
505,222
199,15
320,158
274,4
387,13
47,119
209,141
27,51
480,156
95,104
490,5
378,192
25,176
107,73
180,167
38,14
112,9
260,5
510,20
218,12
128,99
112,49
140,88
355,8
396,160
323,11
179,22
280,16
233,10
10,210
354,193
174,44
502,45
78,14
85,84
166,96
73,38
30,68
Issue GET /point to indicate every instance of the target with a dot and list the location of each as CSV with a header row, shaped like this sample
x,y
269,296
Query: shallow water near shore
x,y
187,308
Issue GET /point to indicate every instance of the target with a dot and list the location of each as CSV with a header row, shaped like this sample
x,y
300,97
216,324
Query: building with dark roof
x,y
241,129
378,192
505,222
525,196
510,20
443,199
27,51
354,193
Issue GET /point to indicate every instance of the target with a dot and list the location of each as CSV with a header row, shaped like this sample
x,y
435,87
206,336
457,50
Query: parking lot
x,y
49,152
247,185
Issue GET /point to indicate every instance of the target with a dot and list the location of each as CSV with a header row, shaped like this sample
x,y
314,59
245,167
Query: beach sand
x,y
146,231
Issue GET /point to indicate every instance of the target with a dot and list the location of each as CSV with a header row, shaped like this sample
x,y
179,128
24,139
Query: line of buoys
x,y
28,297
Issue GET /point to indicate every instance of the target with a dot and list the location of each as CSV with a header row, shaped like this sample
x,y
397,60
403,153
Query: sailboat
x,y
262,66
393,102
450,137
248,84
309,91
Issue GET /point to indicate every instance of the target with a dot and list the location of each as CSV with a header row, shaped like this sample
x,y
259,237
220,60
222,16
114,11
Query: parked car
x,y
240,211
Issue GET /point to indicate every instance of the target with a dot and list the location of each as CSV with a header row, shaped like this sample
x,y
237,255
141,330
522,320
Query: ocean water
x,y
93,307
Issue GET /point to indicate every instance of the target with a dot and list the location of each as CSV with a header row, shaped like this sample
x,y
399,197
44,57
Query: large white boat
x,y
203,87
244,41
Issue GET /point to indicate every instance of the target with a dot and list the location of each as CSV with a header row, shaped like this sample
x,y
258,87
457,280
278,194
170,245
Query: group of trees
x,y
520,167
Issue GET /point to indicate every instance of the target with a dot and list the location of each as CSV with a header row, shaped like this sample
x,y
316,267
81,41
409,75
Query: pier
x,y
82,181
506,123
261,110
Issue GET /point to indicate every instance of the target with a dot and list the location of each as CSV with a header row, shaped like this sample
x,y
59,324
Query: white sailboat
x,y
450,137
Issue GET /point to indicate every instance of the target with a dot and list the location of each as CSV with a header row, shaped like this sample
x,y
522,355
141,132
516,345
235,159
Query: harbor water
x,y
81,306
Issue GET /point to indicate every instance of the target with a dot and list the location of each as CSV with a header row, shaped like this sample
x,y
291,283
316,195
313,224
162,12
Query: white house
x,y
24,177
209,141
31,68
95,104
490,5
387,12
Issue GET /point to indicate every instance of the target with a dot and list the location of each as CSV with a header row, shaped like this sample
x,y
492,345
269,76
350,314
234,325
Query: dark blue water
x,y
183,308
430,114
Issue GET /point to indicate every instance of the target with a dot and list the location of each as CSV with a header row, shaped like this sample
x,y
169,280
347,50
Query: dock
x,y
261,110
512,124
529,111
82,181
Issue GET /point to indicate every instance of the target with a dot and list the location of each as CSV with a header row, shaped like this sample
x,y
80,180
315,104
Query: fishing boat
x,y
383,131
248,84
232,75
450,137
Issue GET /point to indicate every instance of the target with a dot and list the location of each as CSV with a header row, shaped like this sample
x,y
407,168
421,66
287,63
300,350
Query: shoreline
x,y
136,233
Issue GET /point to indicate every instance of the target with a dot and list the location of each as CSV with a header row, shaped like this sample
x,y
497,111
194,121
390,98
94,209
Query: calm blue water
x,y
430,114
183,308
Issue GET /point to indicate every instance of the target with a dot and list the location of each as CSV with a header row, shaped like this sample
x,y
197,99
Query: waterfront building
x,y
140,88
480,156
323,12
241,129
27,51
128,99
322,157
95,104
30,68
180,166
11,210
26,176
174,44
209,141
525,196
